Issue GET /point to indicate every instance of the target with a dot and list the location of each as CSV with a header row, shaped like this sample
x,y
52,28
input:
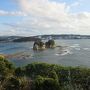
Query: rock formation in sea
x,y
39,45
50,44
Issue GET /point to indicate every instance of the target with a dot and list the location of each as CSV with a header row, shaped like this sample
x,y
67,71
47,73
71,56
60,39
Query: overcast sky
x,y
36,17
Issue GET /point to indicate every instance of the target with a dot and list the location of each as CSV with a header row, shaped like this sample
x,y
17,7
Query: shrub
x,y
41,83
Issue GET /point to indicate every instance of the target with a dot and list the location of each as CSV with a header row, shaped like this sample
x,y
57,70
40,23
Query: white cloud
x,y
43,8
50,17
53,17
13,13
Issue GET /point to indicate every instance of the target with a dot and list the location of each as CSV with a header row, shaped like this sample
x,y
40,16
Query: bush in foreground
x,y
43,76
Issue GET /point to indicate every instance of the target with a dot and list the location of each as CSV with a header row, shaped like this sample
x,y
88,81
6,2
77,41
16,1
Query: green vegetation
x,y
43,76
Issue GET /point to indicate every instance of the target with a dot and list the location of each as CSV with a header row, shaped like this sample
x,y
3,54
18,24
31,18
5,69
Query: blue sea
x,y
74,52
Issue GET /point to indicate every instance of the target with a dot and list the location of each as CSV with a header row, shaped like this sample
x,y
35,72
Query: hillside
x,y
26,39
43,76
43,37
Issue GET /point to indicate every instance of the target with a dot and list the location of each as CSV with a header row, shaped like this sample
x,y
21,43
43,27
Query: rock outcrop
x,y
39,45
50,44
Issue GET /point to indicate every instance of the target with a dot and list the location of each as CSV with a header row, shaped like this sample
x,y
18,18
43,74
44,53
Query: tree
x,y
50,84
41,83
5,67
19,72
12,84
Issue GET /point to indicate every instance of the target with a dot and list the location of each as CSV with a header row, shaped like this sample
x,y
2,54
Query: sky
x,y
37,17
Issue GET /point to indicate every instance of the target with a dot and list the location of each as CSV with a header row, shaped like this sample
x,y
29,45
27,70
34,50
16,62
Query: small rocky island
x,y
40,45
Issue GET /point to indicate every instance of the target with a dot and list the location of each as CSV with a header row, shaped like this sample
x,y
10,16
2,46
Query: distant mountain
x,y
8,38
17,39
43,37
26,39
65,36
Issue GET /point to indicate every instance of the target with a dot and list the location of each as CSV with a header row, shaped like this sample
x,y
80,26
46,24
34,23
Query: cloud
x,y
75,4
47,16
50,17
43,7
13,13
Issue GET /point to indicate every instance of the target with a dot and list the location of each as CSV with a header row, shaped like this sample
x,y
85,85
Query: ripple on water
x,y
86,49
62,51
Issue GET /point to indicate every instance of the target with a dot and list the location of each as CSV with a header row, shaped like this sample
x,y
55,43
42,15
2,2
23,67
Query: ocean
x,y
74,52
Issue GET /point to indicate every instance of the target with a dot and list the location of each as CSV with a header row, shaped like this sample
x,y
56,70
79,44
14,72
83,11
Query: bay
x,y
75,52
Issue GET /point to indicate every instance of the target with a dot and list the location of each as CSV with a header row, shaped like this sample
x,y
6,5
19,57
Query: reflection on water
x,y
70,53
